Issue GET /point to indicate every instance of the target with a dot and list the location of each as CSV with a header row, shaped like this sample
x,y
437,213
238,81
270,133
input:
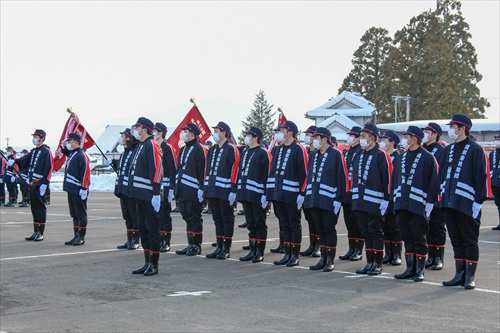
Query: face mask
x,y
123,141
452,134
426,138
35,141
383,145
350,140
247,141
136,134
363,143
68,146
307,140
497,143
279,137
184,136
316,144
155,134
404,143
216,137
7,154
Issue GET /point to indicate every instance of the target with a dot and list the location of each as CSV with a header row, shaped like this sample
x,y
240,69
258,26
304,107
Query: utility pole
x,y
7,139
396,102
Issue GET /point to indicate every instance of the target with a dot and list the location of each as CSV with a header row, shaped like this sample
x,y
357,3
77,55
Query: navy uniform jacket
x,y
123,168
463,176
146,172
495,167
222,171
371,182
169,166
435,149
326,179
349,155
390,208
415,181
39,164
253,171
287,178
77,171
190,171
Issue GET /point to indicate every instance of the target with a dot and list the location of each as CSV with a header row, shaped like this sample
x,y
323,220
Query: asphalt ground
x,y
49,287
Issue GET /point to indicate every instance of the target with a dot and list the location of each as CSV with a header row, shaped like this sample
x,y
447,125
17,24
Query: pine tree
x,y
261,116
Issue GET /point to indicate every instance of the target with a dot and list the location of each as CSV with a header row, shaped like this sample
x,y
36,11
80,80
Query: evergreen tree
x,y
261,116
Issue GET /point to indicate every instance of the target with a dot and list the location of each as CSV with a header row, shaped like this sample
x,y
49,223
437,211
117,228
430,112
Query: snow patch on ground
x,y
102,182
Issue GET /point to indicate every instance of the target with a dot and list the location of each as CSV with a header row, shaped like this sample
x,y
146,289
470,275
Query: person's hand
x,y
231,198
336,207
10,162
428,209
263,201
155,201
170,196
476,208
83,194
200,195
43,188
383,207
300,201
13,179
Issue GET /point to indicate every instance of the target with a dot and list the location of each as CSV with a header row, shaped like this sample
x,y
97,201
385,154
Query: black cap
x,y
208,143
40,132
497,136
254,130
311,129
434,127
264,144
461,120
392,136
145,122
193,128
290,125
223,127
127,132
323,132
415,131
74,136
370,128
161,127
24,151
356,130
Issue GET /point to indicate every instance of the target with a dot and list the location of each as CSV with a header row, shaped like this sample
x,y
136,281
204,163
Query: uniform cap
x,y
145,122
40,132
356,130
254,130
290,125
193,128
161,128
370,128
434,127
74,136
461,120
127,132
223,127
415,131
391,135
323,132
311,129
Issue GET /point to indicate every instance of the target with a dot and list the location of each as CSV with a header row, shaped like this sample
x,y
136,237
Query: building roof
x,y
351,104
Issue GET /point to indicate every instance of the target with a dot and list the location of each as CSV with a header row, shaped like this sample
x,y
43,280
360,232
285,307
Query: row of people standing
x,y
11,177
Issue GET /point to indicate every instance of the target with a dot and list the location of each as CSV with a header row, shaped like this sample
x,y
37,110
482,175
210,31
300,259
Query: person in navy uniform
x,y
220,188
76,184
371,188
313,250
39,164
494,158
436,237
393,240
355,238
23,184
189,187
127,203
464,187
144,184
3,166
415,190
326,185
10,177
286,187
253,171
169,170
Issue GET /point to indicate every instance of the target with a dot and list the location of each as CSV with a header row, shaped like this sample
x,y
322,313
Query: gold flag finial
x,y
69,110
192,100
280,110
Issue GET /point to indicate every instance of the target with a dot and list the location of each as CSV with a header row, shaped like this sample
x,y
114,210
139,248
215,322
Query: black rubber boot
x,y
153,264
81,237
217,250
253,244
350,252
2,201
396,254
376,269
196,248
10,203
25,202
369,263
420,264
322,261
330,257
310,249
168,237
243,225
35,232
358,250
317,252
127,243
259,253
165,241
294,255
388,252
190,244
439,262
459,278
431,257
75,237
470,272
226,249
409,273
286,257
134,244
147,258
280,247
39,235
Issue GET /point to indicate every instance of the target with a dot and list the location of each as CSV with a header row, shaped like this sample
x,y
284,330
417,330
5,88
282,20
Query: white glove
x,y
200,195
170,196
12,179
43,188
383,207
83,194
476,208
231,198
1,180
300,201
263,201
155,201
108,162
336,207
10,162
428,209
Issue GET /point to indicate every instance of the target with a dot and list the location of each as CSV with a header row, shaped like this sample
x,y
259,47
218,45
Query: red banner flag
x,y
281,120
193,116
73,125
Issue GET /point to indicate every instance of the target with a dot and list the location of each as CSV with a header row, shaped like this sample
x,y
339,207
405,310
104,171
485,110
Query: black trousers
x,y
78,210
191,213
414,230
437,229
148,222
129,212
391,229
2,190
289,218
325,221
25,190
223,216
371,229
464,234
310,221
166,218
351,223
496,196
255,216
38,209
12,189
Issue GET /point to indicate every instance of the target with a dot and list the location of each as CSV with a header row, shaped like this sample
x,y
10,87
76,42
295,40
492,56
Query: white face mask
x,y
216,137
307,140
316,144
184,136
383,145
363,143
35,141
135,134
404,143
426,138
452,134
279,137
68,146
497,143
350,140
123,141
248,142
155,134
